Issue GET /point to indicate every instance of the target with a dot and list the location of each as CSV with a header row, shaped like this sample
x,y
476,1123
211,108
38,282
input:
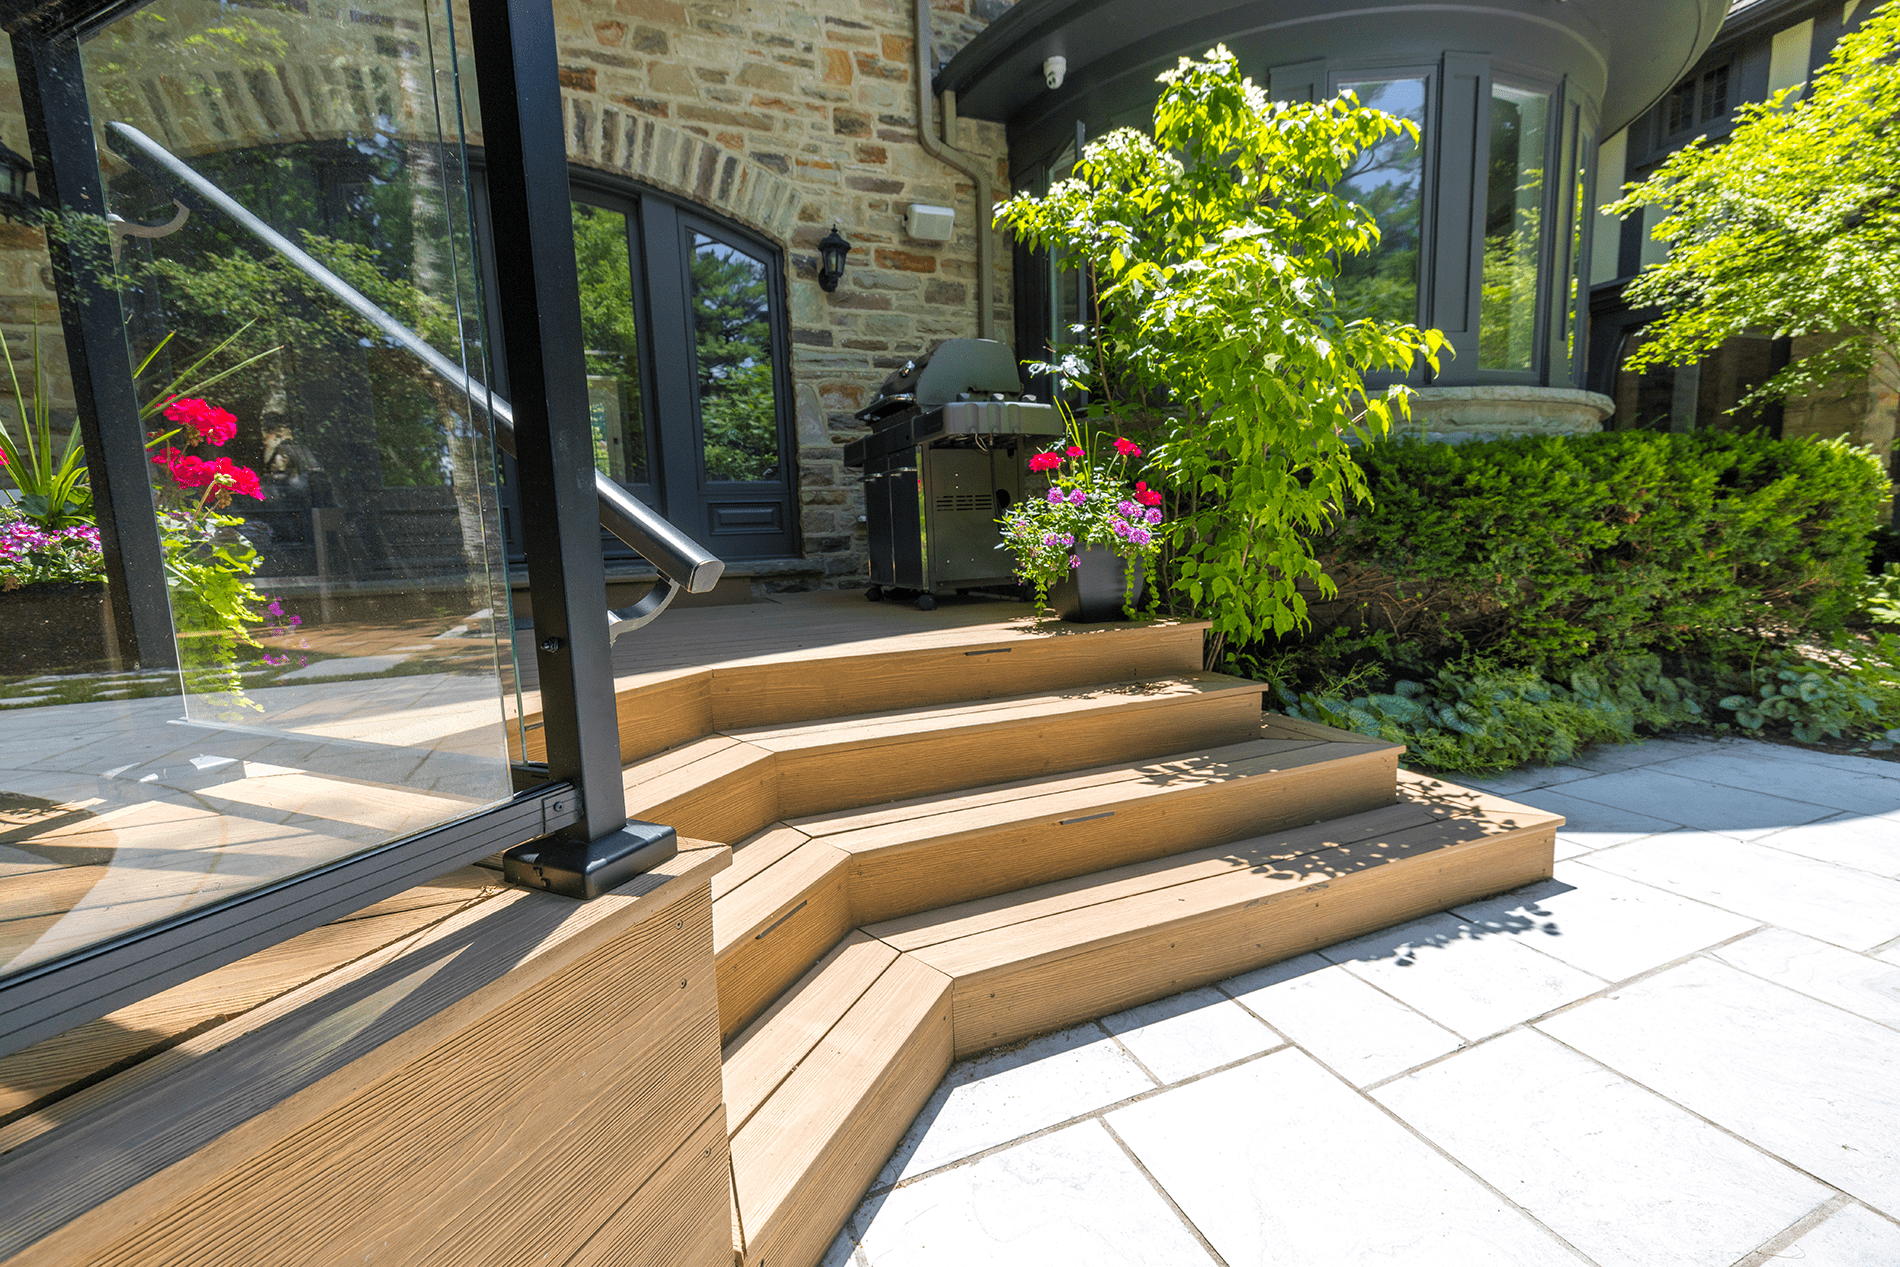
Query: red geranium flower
x,y
1126,447
229,478
207,423
1075,450
1045,462
1145,495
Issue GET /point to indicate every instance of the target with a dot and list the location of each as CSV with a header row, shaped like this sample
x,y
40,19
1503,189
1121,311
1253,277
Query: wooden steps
x,y
797,887
727,786
828,1082
967,835
823,1084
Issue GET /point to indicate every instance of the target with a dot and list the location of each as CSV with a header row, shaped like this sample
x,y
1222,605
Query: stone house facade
x,y
790,118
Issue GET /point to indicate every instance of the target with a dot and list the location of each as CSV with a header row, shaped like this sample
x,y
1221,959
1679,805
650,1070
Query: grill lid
x,y
958,367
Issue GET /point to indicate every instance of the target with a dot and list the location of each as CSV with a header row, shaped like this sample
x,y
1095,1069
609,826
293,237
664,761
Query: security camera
x,y
1053,69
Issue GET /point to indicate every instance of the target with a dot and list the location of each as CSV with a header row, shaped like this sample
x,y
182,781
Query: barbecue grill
x,y
948,453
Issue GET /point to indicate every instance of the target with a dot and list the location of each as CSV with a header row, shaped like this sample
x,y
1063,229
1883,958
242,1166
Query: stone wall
x,y
789,116
1862,411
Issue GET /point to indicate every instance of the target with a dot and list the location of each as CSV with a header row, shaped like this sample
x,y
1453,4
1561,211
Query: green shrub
x,y
1548,552
1515,601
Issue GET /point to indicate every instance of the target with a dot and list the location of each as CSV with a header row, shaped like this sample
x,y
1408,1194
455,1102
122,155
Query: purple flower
x,y
276,607
1074,562
1077,497
1055,497
1140,536
1128,508
1154,514
1049,539
1067,538
1119,528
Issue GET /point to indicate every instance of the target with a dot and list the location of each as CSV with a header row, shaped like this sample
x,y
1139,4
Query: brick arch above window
x,y
668,158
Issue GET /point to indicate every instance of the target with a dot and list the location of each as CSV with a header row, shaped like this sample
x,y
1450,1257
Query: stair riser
x,y
844,776
776,694
765,959
1007,1005
726,809
889,883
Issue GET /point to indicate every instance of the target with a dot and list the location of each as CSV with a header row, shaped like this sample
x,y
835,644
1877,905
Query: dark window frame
x,y
632,198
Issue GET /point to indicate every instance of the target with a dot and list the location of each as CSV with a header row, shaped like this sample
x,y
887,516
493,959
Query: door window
x,y
684,324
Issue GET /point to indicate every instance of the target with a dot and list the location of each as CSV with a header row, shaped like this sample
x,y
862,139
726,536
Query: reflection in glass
x,y
1581,145
326,505
732,330
611,329
1387,179
1513,230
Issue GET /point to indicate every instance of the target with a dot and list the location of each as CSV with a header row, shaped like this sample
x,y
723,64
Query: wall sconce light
x,y
831,252
15,202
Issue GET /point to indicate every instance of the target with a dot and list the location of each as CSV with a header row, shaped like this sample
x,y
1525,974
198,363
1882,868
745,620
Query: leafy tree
x,y
1215,248
1790,227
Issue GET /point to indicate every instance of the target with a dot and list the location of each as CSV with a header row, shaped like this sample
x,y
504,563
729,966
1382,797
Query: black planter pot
x,y
1096,591
53,627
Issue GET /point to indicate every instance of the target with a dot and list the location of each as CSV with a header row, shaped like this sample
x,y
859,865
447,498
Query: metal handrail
x,y
683,563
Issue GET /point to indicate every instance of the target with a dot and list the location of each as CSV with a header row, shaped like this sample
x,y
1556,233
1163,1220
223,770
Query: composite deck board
x,y
134,1150
751,856
767,932
87,1052
1160,810
968,919
1193,934
765,1054
846,1104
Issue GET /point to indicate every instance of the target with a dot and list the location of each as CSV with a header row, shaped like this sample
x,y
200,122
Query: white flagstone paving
x,y
1682,1051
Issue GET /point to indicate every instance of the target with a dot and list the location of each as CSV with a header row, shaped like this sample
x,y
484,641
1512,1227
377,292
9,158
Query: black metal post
x,y
537,294
58,124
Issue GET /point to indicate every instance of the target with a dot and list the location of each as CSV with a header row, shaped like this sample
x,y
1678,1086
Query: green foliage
x,y
733,334
1790,227
1814,699
1880,596
1549,552
1475,714
1514,601
215,607
1215,249
50,479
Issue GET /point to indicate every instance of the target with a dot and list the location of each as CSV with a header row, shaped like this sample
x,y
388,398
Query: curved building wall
x,y
1484,236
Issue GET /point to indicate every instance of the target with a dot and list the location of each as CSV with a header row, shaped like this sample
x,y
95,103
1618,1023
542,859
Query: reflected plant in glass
x,y
48,478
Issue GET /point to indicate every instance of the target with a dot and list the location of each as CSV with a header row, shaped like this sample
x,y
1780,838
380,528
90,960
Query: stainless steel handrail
x,y
683,563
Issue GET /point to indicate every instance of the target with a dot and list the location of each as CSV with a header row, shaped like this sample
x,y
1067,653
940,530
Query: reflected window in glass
x,y
1513,228
1387,179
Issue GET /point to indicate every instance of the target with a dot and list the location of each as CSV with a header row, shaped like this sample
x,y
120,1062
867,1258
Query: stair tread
x,y
817,1140
747,908
761,1056
869,729
901,823
1415,810
1060,934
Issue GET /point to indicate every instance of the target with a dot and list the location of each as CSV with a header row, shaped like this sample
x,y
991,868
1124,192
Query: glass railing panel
x,y
327,503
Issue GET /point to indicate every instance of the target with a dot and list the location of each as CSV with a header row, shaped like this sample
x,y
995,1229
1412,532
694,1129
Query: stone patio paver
x,y
1681,1052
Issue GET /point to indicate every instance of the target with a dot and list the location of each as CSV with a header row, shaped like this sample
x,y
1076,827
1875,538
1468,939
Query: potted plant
x,y
1086,541
52,583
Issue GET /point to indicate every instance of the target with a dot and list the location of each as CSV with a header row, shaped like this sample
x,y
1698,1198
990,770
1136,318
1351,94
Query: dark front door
x,y
687,385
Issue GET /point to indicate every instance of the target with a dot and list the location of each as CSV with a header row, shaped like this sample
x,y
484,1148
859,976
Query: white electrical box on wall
x,y
930,224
